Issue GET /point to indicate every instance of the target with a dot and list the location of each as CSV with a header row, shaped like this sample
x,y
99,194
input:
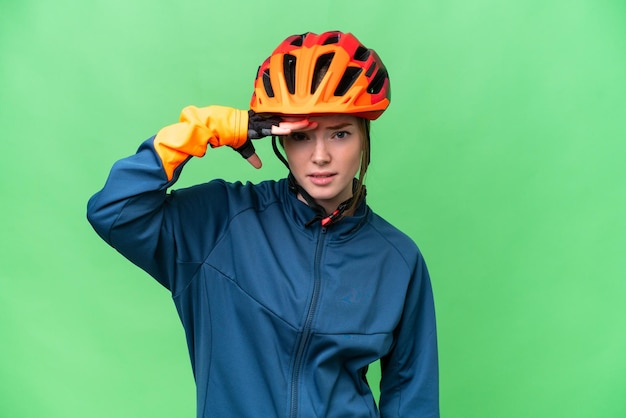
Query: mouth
x,y
321,179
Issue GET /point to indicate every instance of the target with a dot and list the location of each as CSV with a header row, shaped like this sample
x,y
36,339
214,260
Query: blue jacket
x,y
281,320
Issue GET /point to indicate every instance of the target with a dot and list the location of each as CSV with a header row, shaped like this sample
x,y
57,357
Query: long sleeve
x,y
410,382
134,213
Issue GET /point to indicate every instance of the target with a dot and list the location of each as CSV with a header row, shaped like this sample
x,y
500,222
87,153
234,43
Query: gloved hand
x,y
260,127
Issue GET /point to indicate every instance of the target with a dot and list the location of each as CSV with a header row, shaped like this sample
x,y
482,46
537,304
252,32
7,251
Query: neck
x,y
328,208
330,212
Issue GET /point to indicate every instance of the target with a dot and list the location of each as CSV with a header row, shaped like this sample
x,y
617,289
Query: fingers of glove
x,y
259,126
258,132
263,120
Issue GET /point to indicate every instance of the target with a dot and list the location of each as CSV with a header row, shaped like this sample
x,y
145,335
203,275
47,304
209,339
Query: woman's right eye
x,y
298,136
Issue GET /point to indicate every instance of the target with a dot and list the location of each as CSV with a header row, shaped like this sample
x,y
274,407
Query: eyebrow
x,y
339,126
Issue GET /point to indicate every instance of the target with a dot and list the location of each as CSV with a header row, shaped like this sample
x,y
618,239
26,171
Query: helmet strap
x,y
278,153
320,212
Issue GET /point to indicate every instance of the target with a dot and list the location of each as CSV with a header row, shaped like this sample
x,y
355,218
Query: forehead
x,y
333,120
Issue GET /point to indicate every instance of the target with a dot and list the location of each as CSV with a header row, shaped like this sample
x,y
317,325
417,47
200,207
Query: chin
x,y
322,194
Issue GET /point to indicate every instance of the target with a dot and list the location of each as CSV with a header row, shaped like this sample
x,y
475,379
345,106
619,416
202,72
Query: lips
x,y
321,179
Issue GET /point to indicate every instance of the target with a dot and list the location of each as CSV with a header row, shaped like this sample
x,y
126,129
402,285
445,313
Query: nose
x,y
320,155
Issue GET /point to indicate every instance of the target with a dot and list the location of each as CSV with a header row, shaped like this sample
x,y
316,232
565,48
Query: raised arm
x,y
133,212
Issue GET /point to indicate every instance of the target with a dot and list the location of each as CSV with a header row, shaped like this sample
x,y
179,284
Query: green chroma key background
x,y
502,155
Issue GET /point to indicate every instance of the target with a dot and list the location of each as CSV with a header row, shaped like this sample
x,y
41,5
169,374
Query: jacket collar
x,y
300,213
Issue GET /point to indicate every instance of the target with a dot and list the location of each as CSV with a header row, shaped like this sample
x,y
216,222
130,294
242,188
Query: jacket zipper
x,y
306,330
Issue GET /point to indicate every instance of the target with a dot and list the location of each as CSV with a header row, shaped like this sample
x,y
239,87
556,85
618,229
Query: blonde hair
x,y
359,190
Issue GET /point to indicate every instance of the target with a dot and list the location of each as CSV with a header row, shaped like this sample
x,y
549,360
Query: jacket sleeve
x,y
410,377
134,213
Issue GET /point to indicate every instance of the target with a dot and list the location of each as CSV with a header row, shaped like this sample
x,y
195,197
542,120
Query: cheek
x,y
294,156
355,158
356,164
288,151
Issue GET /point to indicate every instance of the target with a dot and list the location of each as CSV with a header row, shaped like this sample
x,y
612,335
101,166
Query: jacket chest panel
x,y
271,265
363,291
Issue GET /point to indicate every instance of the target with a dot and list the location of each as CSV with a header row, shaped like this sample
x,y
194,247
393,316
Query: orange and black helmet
x,y
322,74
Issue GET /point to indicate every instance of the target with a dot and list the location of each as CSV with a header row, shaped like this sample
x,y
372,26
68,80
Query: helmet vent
x,y
378,82
331,40
370,70
289,69
321,66
298,41
267,83
348,79
361,53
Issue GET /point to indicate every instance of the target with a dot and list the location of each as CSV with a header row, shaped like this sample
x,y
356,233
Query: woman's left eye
x,y
342,134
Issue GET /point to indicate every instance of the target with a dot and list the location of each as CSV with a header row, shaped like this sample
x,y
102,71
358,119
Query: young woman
x,y
288,290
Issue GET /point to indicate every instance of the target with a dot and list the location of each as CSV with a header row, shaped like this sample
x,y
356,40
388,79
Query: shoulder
x,y
403,244
234,196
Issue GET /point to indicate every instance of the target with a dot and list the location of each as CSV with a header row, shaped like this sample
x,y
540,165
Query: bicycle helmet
x,y
322,74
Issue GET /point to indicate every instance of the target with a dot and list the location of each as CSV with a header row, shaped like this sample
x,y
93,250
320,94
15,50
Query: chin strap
x,y
320,212
278,153
335,216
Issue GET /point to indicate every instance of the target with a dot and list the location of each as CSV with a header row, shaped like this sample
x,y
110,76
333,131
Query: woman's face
x,y
325,159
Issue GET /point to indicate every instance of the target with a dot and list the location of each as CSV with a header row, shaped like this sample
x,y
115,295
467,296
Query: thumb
x,y
247,152
255,161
